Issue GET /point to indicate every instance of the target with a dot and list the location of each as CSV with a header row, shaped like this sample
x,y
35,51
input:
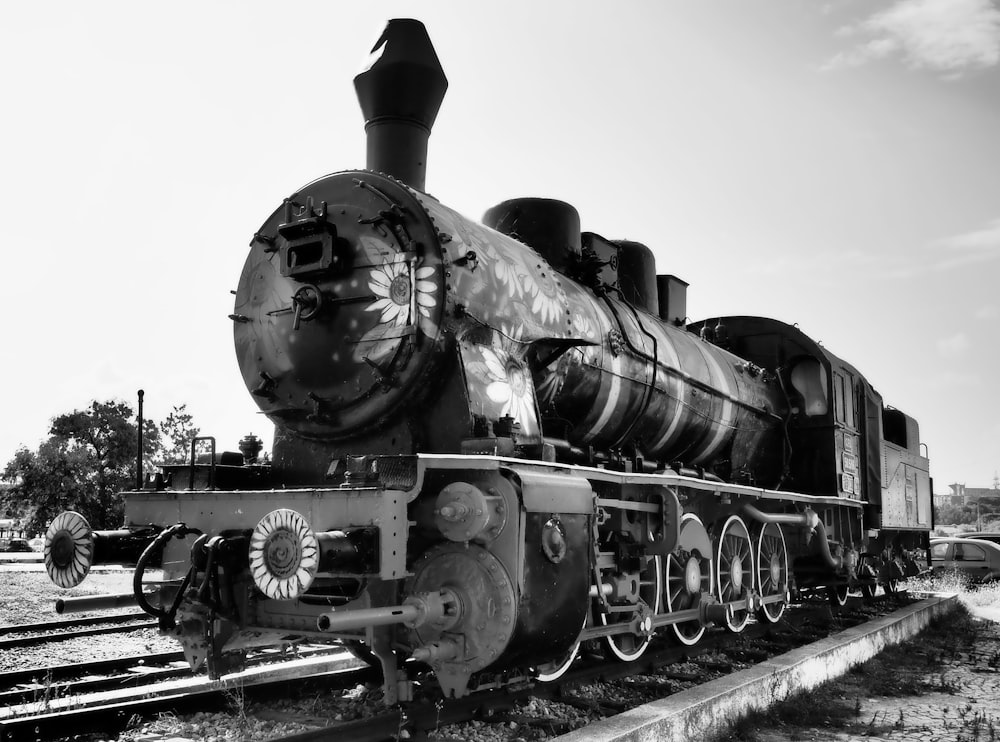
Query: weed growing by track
x,y
878,698
237,700
980,596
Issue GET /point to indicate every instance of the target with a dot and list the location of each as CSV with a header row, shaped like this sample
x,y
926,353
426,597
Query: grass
x,y
236,699
902,672
986,595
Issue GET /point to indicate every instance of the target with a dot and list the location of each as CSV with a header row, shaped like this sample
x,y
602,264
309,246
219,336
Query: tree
x,y
87,460
955,514
46,482
179,430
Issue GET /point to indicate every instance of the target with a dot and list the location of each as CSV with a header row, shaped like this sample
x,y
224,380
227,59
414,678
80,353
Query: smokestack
x,y
400,94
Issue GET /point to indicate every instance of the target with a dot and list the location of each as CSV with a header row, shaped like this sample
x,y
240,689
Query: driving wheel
x,y
772,571
689,574
734,570
629,645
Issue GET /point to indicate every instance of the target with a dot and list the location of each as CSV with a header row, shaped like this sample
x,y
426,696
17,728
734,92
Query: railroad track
x,y
129,687
40,633
500,707
69,623
44,684
110,714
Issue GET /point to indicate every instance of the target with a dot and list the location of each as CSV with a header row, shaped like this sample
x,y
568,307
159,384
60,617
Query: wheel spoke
x,y
734,553
693,537
771,550
628,647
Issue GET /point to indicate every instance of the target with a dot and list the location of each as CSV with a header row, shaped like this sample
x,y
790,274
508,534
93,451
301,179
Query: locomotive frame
x,y
497,441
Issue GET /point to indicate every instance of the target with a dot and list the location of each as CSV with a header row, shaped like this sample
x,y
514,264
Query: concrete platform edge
x,y
710,708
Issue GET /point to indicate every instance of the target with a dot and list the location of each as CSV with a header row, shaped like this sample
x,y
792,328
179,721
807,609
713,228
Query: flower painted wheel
x,y
772,571
69,549
284,555
649,586
689,574
734,569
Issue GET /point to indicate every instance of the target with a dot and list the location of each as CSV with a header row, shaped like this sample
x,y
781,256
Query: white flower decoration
x,y
283,554
509,384
506,273
551,383
544,293
584,326
390,282
504,266
508,333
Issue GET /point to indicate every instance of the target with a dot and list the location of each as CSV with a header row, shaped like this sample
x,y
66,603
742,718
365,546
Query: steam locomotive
x,y
497,440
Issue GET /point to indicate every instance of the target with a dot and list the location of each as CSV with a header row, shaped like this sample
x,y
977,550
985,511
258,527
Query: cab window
x,y
843,399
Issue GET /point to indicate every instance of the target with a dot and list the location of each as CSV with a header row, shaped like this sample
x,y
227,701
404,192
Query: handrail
x,y
211,472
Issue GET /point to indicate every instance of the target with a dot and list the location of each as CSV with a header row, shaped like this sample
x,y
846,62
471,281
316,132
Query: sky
x,y
834,165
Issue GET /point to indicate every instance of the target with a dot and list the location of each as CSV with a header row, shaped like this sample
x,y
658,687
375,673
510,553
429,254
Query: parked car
x,y
14,544
977,559
993,536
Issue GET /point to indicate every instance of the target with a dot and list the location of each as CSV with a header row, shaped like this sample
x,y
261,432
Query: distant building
x,y
11,528
957,496
943,501
962,495
985,500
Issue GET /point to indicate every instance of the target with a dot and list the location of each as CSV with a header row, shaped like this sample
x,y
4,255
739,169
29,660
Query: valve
x,y
307,301
463,512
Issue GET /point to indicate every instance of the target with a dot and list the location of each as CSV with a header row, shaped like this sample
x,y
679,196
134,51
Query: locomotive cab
x,y
844,442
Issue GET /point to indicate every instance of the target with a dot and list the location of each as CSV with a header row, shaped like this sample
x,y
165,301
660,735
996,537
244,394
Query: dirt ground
x,y
942,686
28,596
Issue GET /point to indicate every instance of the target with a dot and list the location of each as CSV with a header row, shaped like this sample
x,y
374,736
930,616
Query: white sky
x,y
834,166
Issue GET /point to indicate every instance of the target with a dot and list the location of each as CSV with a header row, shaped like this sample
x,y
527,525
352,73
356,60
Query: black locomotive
x,y
494,441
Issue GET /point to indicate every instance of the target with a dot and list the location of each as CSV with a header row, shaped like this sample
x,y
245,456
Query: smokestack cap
x,y
404,79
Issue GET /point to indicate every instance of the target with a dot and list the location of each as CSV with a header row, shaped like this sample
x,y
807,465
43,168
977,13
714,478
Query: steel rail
x,y
61,672
54,677
68,623
113,718
27,641
62,689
